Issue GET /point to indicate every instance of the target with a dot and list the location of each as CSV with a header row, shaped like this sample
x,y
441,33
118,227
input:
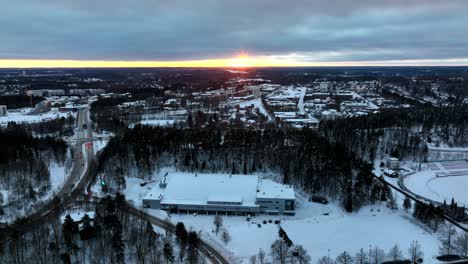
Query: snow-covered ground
x,y
257,103
310,227
155,122
318,233
317,227
23,116
57,177
165,122
300,105
101,143
16,206
427,184
76,214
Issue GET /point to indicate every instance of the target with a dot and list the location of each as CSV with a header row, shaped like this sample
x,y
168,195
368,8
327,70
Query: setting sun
x,y
241,61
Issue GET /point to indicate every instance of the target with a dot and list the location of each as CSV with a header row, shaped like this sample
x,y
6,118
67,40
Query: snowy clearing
x,y
428,185
311,227
318,233
23,116
257,103
156,122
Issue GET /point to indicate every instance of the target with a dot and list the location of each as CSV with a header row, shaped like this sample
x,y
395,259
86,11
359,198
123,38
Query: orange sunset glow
x,y
241,60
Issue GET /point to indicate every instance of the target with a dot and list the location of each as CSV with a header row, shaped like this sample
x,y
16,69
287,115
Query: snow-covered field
x,y
257,103
23,116
155,122
427,184
310,227
165,122
318,233
57,177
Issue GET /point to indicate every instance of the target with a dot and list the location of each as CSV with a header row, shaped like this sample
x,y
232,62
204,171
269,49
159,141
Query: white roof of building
x,y
200,189
271,189
191,188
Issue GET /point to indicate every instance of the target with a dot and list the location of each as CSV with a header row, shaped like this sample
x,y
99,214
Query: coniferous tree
x,y
407,204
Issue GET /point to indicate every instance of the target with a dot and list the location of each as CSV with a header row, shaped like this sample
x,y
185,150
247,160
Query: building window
x,y
289,205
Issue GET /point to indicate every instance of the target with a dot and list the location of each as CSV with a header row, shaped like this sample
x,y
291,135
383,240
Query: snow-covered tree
x,y
415,252
261,256
407,204
300,254
376,255
325,260
395,253
168,252
392,204
447,237
361,257
253,259
217,222
461,244
344,258
279,251
225,236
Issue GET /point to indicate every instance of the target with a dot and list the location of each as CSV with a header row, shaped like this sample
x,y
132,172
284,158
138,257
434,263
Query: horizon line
x,y
221,63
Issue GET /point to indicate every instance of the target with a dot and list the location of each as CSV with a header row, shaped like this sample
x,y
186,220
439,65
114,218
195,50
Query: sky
x,y
134,33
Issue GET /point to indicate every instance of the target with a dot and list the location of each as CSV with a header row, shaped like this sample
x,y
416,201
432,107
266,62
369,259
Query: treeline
x,y
19,101
301,157
109,234
59,126
400,132
24,162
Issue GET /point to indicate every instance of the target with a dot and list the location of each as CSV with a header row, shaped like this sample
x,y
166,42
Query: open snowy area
x,y
317,227
428,185
315,230
257,103
24,116
441,181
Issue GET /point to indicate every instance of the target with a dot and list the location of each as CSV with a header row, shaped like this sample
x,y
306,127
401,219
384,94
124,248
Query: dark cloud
x,y
329,30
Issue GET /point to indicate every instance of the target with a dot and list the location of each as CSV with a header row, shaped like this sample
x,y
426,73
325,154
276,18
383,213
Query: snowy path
x,y
300,104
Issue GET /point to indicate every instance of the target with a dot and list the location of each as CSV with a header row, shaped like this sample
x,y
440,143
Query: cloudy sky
x,y
326,31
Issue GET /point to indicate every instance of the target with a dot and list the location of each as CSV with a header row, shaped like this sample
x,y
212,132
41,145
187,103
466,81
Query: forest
x,y
298,157
109,234
24,163
400,132
19,101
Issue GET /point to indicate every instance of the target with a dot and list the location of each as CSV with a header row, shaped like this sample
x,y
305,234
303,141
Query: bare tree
x,y
447,236
395,253
300,253
325,260
376,255
225,236
218,223
415,251
279,251
261,256
344,258
361,257
253,259
461,244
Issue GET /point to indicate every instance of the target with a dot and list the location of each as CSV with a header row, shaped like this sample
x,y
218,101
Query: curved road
x,y
207,250
80,179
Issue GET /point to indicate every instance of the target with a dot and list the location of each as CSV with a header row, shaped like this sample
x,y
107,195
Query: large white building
x,y
220,193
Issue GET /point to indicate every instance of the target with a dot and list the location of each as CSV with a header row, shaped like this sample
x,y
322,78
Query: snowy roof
x,y
191,188
202,189
271,189
77,216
